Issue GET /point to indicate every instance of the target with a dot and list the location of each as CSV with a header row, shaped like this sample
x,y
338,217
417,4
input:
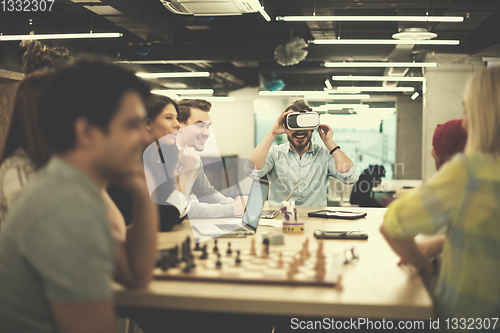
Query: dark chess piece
x,y
174,256
238,260
216,249
218,263
266,243
189,265
197,247
204,253
164,262
229,251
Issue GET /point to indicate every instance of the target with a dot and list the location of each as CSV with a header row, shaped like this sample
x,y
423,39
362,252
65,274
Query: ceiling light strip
x,y
184,91
336,107
264,14
372,18
382,42
5,38
378,78
379,64
173,75
375,89
313,94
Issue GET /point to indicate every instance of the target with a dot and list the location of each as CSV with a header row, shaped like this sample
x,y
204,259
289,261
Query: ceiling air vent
x,y
211,7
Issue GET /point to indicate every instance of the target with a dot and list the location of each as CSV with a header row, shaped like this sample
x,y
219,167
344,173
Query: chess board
x,y
256,270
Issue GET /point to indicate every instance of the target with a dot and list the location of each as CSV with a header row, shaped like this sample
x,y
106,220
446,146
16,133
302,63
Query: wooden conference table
x,y
372,287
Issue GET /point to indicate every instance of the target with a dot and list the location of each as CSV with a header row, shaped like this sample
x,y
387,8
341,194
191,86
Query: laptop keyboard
x,y
228,227
269,213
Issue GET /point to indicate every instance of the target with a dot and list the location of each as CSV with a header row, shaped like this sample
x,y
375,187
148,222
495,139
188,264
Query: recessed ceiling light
x,y
414,33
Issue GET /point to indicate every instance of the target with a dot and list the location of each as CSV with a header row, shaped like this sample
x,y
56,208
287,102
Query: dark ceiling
x,y
239,50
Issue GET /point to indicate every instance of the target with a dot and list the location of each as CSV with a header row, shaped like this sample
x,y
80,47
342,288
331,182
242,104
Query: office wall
x,y
233,123
408,138
443,99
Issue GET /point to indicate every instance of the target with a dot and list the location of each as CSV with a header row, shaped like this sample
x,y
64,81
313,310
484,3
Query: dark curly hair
x,y
38,56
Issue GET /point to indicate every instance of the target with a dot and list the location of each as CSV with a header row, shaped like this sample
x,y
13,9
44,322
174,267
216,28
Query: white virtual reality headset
x,y
302,121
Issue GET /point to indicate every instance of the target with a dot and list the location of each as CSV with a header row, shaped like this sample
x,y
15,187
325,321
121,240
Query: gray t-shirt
x,y
55,245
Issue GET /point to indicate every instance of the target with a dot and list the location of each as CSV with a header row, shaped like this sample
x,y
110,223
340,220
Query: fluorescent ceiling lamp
x,y
372,18
215,98
375,89
379,64
289,93
338,96
378,78
184,91
415,95
381,110
333,107
313,94
264,14
158,62
328,84
171,75
5,38
383,41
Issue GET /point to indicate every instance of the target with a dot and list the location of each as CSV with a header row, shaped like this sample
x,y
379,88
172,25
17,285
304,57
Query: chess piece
x,y
264,252
216,249
164,262
229,251
252,247
305,248
189,265
218,264
204,253
174,261
280,260
197,246
238,260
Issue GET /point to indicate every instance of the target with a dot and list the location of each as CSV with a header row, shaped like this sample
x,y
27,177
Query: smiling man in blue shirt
x,y
299,161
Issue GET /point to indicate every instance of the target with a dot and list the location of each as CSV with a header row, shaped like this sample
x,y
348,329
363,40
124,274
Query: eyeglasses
x,y
350,255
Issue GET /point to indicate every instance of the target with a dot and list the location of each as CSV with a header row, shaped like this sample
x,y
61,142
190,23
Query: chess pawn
x,y
320,274
238,260
216,249
252,247
229,251
280,260
218,264
307,254
263,253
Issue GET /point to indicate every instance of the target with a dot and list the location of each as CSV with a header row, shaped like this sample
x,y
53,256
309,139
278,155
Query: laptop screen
x,y
255,203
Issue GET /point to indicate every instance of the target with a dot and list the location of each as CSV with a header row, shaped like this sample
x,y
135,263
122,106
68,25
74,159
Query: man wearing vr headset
x,y
299,162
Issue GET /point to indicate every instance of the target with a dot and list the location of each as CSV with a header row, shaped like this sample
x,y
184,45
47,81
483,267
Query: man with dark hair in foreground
x,y
58,257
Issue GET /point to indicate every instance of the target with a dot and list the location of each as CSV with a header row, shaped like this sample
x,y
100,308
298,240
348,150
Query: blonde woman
x,y
464,196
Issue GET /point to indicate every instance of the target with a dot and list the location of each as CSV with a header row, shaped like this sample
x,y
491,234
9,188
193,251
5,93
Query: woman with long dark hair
x,y
170,171
25,150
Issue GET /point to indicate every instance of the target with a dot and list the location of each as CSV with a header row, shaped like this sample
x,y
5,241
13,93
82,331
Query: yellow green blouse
x,y
464,196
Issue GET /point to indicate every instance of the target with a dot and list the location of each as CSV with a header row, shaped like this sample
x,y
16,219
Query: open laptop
x,y
250,221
